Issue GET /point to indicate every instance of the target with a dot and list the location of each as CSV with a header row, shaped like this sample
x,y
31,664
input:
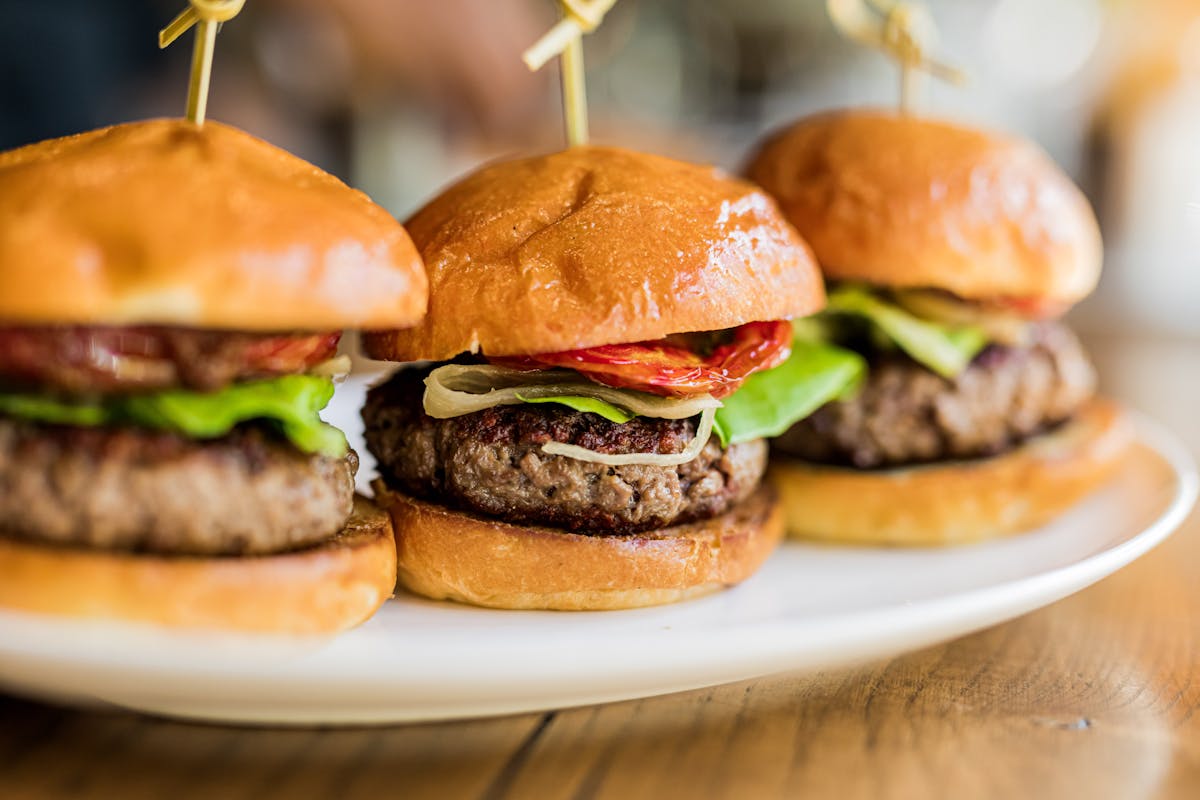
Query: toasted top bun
x,y
162,222
595,246
905,202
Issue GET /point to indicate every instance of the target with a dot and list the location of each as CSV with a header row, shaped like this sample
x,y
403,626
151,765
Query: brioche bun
x,y
904,202
595,246
319,590
955,502
450,555
163,222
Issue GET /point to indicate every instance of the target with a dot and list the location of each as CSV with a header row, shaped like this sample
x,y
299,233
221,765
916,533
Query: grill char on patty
x,y
490,462
138,490
906,414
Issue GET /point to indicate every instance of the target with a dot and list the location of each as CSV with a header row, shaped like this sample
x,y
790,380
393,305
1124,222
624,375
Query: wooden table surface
x,y
1096,696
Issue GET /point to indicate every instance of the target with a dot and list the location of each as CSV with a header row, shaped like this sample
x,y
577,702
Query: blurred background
x,y
400,96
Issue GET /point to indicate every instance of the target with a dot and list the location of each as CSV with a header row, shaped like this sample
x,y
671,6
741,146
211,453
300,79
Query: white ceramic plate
x,y
811,607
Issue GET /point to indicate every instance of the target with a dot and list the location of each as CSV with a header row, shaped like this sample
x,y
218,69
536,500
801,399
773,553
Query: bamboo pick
x,y
206,16
565,39
574,90
893,27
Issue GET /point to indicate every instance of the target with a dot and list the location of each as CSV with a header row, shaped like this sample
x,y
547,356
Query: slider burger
x,y
950,254
171,299
610,344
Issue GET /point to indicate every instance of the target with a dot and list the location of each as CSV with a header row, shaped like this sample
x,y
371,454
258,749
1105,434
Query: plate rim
x,y
744,654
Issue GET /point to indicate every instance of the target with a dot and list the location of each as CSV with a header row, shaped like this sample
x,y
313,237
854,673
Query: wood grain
x,y
47,752
1097,696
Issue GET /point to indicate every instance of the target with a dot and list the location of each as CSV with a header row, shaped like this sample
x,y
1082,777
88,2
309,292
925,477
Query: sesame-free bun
x,y
906,202
163,222
594,246
318,590
450,555
959,501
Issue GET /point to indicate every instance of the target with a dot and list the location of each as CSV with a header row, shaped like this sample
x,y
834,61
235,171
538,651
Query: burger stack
x,y
613,346
951,254
171,300
608,330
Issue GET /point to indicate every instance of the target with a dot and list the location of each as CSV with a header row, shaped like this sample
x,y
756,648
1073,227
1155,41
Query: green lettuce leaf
x,y
291,402
591,405
51,411
945,349
813,329
770,402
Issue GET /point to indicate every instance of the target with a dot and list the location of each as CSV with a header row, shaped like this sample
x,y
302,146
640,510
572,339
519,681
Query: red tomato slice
x,y
102,359
280,355
672,370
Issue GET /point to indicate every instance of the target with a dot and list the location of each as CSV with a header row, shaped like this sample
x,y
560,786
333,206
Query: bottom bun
x,y
322,589
956,502
449,555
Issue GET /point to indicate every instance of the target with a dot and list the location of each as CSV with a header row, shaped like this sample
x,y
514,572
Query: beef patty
x,y
127,489
906,414
491,462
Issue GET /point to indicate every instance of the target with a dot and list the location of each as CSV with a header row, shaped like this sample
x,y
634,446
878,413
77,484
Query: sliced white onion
x,y
703,432
1000,327
457,389
133,369
336,368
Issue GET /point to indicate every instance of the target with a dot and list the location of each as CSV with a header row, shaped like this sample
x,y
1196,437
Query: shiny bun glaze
x,y
905,202
163,222
594,246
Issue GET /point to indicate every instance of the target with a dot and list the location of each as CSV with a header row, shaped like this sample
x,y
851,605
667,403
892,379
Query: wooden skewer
x,y
206,16
890,26
574,89
565,39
